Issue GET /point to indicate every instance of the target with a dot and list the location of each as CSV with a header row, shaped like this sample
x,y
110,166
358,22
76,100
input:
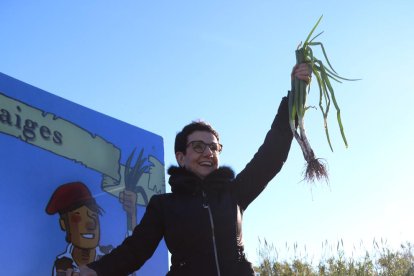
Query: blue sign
x,y
74,182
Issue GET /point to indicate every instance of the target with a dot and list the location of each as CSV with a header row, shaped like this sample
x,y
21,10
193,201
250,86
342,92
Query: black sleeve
x,y
136,249
268,160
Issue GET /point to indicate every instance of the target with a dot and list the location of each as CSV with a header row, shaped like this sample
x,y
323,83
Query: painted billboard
x,y
74,182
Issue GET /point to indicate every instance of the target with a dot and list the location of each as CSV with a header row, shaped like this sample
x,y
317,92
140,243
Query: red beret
x,y
68,195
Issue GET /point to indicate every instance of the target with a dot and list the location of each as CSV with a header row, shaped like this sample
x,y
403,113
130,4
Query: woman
x,y
201,220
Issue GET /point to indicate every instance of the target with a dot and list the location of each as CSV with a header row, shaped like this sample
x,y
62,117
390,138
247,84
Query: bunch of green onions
x,y
133,174
315,167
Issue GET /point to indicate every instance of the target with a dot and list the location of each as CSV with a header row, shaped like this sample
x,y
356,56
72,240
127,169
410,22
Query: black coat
x,y
201,220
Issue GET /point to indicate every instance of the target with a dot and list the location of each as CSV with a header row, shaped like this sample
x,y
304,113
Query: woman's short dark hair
x,y
181,137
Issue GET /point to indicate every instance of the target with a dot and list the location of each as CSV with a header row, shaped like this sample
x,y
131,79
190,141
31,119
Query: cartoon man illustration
x,y
79,218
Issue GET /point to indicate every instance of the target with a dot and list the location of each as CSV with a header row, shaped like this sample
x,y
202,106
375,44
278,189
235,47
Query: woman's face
x,y
200,163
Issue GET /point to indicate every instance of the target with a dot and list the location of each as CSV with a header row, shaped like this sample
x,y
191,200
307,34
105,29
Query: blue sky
x,y
161,64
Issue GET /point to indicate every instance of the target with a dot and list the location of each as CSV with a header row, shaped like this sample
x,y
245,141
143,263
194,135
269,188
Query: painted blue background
x,y
30,239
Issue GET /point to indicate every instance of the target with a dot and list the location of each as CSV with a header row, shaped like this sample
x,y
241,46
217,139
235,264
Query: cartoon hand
x,y
128,200
64,267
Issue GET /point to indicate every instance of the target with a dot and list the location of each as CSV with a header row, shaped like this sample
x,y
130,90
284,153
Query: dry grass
x,y
380,259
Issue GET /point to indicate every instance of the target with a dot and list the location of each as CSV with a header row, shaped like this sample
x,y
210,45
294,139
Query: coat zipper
x,y
207,206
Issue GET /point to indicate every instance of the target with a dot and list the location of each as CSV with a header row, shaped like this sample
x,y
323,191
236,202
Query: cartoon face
x,y
84,228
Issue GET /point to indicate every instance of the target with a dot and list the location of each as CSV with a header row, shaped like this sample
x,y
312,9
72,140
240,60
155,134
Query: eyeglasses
x,y
200,146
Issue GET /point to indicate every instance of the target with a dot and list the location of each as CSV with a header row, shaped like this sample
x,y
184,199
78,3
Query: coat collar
x,y
184,181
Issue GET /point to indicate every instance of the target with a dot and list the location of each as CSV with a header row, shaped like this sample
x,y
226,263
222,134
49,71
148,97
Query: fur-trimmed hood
x,y
184,181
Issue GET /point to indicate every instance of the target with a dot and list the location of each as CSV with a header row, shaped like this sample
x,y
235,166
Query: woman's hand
x,y
86,271
302,71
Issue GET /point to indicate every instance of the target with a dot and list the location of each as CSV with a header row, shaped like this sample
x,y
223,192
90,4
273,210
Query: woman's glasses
x,y
200,146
